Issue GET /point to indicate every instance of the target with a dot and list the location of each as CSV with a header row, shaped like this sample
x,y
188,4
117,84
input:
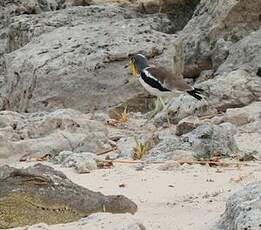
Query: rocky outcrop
x,y
236,89
38,134
83,162
244,115
63,64
243,209
244,54
214,27
203,142
41,194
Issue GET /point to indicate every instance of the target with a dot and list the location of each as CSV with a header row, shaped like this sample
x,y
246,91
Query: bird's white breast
x,y
151,90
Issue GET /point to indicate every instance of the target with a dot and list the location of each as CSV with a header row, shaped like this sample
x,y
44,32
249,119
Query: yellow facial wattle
x,y
133,69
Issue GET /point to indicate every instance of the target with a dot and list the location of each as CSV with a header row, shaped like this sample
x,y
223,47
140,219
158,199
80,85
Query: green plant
x,y
139,150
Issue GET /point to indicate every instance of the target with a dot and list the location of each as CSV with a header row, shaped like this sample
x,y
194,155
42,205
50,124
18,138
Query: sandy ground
x,y
189,197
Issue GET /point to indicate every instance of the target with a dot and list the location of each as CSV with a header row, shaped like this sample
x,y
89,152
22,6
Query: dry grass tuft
x,y
139,150
121,118
124,116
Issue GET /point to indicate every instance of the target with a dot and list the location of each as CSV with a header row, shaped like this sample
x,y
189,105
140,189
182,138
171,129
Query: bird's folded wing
x,y
168,79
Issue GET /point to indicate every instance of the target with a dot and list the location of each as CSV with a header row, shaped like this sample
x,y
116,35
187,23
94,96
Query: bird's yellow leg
x,y
158,107
165,107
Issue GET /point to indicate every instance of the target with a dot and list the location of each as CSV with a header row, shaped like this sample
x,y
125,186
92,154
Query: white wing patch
x,y
152,90
149,75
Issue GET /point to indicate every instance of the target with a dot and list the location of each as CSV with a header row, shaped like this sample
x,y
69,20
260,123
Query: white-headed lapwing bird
x,y
158,81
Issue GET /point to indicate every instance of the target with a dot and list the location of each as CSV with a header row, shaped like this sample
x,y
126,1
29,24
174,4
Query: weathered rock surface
x,y
41,194
244,115
126,145
96,221
205,141
57,60
186,125
43,133
248,139
236,89
243,209
216,25
245,54
83,162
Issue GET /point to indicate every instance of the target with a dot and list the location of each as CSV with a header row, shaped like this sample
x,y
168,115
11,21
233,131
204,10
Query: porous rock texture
x,y
243,209
222,30
204,141
42,133
55,60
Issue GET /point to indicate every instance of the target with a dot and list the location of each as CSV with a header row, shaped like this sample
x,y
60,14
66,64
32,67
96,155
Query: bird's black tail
x,y
196,93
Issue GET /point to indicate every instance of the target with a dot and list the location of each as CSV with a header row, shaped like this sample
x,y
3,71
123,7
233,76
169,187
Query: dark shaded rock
x,y
179,12
41,194
140,103
186,125
258,73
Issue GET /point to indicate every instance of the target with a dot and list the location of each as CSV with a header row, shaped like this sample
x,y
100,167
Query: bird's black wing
x,y
153,82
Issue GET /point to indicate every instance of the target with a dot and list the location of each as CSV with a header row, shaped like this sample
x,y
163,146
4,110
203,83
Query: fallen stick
x,y
218,163
106,151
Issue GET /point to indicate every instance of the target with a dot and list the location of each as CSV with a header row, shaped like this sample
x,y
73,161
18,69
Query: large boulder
x,y
243,209
205,141
216,25
235,89
43,133
243,115
246,52
40,194
57,60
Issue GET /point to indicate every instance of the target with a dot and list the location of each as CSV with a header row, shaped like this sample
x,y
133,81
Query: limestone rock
x,y
126,145
57,61
43,133
83,162
244,115
181,107
250,142
214,21
245,53
236,89
243,209
205,141
208,140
